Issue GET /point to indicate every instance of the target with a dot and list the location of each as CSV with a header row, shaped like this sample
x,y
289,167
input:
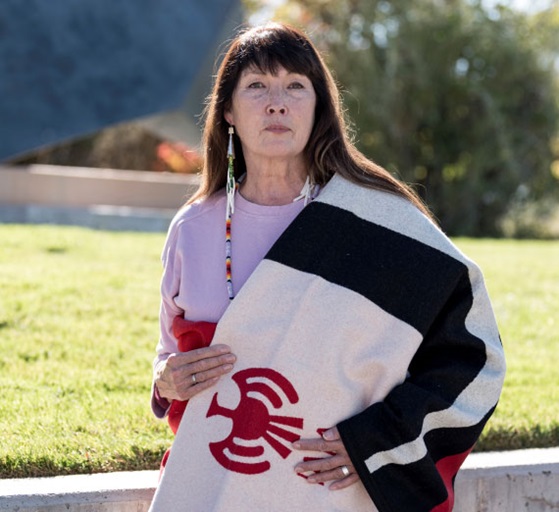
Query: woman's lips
x,y
277,128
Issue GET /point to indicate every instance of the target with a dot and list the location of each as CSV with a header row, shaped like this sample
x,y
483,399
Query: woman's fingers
x,y
199,374
339,478
319,444
344,482
200,354
334,466
331,464
185,374
336,469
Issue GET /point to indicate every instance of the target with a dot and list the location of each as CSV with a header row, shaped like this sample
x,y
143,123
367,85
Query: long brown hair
x,y
329,149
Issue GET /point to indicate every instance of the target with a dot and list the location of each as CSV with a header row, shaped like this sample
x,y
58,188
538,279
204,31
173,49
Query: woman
x,y
355,345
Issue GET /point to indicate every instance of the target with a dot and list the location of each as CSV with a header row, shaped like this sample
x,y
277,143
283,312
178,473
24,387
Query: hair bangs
x,y
268,50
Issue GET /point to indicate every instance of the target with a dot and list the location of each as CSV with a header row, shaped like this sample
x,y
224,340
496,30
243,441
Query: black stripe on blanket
x,y
432,292
424,488
406,278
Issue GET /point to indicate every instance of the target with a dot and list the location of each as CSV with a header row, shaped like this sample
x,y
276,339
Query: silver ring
x,y
345,470
193,377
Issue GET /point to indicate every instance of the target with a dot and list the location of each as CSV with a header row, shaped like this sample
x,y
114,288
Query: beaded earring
x,y
230,187
230,184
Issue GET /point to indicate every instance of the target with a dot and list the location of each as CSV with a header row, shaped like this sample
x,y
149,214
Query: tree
x,y
451,97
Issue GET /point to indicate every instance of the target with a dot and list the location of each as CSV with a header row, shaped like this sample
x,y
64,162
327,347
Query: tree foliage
x,y
457,99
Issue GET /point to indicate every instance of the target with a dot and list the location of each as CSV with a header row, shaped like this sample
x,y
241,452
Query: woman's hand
x,y
184,374
335,467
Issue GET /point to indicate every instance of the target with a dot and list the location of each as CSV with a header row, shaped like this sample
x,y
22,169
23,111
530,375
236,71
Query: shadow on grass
x,y
140,459
518,439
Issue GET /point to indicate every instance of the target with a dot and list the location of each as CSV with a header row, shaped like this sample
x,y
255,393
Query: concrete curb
x,y
51,185
104,217
94,198
522,480
104,492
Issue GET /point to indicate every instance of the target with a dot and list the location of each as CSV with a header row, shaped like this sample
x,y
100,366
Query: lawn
x,y
78,327
523,281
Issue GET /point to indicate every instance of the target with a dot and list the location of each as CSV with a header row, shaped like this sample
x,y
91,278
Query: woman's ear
x,y
228,117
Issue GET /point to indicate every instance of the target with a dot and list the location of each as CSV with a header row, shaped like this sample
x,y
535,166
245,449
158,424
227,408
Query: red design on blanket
x,y
253,424
190,336
448,468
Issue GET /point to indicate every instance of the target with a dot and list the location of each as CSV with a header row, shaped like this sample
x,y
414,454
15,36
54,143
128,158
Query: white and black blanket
x,y
363,315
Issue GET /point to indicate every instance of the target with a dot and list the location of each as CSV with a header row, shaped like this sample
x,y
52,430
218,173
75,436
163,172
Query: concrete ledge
x,y
523,480
96,198
107,217
81,187
109,492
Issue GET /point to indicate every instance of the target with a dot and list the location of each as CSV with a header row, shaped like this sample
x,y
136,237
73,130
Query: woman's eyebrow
x,y
259,72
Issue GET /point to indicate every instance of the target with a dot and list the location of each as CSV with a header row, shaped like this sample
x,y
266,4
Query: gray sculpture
x,y
73,67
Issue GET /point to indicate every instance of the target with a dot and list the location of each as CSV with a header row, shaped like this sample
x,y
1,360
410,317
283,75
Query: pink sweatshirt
x,y
193,283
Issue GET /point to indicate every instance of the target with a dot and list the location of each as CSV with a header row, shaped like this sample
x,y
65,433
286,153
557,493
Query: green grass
x,y
523,281
78,328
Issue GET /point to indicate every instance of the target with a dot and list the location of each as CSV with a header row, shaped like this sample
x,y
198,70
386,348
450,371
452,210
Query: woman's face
x,y
273,115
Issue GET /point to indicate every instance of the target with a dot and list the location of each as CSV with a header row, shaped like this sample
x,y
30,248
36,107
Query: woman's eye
x,y
296,85
256,85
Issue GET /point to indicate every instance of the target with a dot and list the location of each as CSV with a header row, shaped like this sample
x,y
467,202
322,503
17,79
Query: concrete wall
x,y
97,198
74,186
523,480
111,492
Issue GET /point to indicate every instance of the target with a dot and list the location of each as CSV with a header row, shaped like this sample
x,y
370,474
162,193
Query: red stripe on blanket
x,y
190,335
448,468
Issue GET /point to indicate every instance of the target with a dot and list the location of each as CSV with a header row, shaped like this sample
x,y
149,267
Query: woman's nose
x,y
276,103
274,108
